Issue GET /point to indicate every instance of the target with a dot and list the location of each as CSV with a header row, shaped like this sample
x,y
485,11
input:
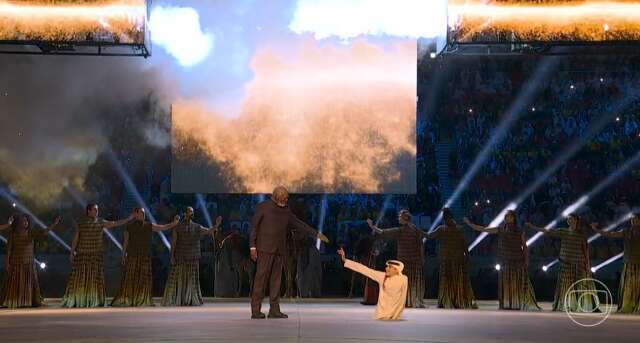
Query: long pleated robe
x,y
515,291
629,291
183,283
85,287
21,287
411,253
574,266
393,291
136,285
454,289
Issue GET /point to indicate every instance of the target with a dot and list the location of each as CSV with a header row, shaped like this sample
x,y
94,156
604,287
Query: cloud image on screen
x,y
318,113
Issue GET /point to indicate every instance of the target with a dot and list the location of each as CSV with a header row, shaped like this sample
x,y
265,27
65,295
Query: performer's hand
x,y
72,258
466,220
10,220
595,226
218,221
176,219
529,225
124,259
254,255
323,238
341,254
57,220
370,223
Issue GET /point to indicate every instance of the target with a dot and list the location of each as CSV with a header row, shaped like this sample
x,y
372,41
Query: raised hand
x,y
57,220
370,223
323,238
254,255
10,220
466,220
218,220
595,226
72,258
176,219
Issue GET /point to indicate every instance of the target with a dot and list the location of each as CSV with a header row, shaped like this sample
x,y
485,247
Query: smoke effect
x,y
177,30
324,119
55,113
353,18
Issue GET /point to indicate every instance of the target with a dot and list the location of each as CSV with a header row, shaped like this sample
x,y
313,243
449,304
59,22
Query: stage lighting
x,y
203,207
617,118
488,201
571,87
498,267
605,27
601,80
471,110
476,203
433,55
545,268
593,270
13,205
43,265
607,262
533,109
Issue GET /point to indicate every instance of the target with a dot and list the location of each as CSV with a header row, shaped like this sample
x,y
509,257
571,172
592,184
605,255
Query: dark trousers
x,y
269,270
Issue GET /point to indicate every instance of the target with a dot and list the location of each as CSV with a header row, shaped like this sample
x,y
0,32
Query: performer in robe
x,y
575,265
409,240
454,288
85,287
136,285
629,289
393,286
21,287
183,283
269,227
515,291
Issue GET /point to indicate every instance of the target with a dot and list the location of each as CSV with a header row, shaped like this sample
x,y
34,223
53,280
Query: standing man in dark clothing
x,y
271,223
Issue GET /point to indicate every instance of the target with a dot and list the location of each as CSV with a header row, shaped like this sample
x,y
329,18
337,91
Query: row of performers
x,y
86,288
515,291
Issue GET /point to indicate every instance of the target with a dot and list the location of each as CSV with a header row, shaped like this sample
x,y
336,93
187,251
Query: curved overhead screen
x,y
74,22
569,21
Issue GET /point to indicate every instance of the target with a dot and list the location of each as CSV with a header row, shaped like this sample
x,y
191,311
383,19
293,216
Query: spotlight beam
x,y
607,262
323,213
132,188
567,153
83,203
37,220
385,206
203,207
524,98
620,171
495,222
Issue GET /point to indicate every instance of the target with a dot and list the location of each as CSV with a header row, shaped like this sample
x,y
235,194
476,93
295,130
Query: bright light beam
x,y
323,213
83,203
37,220
494,223
607,262
385,206
623,169
132,188
513,113
203,207
560,160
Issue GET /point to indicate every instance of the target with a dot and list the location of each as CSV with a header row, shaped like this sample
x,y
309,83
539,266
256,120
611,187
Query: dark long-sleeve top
x,y
409,240
270,225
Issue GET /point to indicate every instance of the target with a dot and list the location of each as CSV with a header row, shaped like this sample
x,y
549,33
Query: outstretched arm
x,y
608,234
7,225
359,268
213,230
305,229
382,232
168,226
111,224
44,232
480,227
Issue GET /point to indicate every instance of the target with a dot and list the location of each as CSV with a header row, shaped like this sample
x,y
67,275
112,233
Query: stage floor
x,y
309,321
